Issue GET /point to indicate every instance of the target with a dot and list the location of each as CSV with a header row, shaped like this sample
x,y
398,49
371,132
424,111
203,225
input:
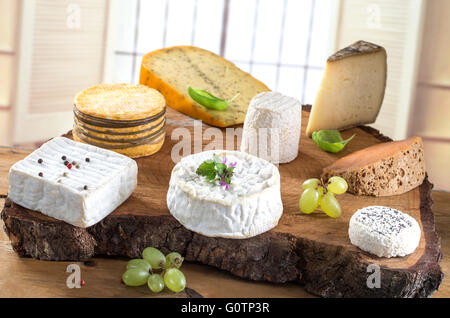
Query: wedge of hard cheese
x,y
382,170
352,88
172,70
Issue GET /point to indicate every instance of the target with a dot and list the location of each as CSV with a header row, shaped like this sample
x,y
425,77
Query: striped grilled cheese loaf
x,y
126,118
172,70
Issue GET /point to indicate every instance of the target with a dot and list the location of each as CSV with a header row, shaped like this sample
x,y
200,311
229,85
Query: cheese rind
x,y
384,231
172,70
272,127
126,118
252,204
352,88
60,192
119,101
382,170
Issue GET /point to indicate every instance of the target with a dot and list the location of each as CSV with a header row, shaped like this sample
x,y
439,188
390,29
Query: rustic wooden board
x,y
48,277
313,250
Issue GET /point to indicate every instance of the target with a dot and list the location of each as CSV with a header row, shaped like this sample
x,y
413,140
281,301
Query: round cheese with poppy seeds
x,y
384,231
250,205
126,118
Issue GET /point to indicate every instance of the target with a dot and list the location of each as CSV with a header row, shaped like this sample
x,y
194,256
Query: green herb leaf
x,y
207,169
217,170
221,168
208,100
216,159
330,140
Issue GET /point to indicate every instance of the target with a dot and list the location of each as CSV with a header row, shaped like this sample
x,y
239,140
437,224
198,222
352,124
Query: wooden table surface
x,y
25,277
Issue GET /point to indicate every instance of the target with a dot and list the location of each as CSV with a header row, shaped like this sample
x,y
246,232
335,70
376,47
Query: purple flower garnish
x,y
217,170
224,184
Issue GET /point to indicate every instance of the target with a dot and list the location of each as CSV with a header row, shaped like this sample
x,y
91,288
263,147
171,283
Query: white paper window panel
x,y
393,25
432,113
8,19
125,25
5,119
65,60
263,37
6,78
437,156
435,61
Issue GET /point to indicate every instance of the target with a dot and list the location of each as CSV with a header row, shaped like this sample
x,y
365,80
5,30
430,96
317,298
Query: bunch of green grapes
x,y
316,193
156,270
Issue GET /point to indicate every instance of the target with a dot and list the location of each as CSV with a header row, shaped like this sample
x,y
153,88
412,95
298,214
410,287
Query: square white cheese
x,y
73,182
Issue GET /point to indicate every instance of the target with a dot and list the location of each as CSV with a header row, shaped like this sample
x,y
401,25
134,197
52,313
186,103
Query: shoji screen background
x,y
284,43
61,51
430,115
8,25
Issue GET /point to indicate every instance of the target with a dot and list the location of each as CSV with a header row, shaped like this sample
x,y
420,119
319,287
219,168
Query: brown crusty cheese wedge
x,y
382,170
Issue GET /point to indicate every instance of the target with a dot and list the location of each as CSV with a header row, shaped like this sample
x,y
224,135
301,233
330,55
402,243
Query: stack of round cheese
x,y
126,118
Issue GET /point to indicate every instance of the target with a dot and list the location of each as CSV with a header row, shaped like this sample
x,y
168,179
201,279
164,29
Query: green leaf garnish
x,y
208,100
217,170
207,169
330,140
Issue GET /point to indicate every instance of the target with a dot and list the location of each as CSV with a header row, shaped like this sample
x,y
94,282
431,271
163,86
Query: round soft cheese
x,y
384,231
250,206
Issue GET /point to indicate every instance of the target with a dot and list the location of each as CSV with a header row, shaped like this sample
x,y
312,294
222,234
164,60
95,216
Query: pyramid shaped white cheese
x,y
97,182
272,127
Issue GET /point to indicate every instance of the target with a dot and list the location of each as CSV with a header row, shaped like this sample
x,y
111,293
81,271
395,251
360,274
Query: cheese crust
x,y
382,170
119,101
252,204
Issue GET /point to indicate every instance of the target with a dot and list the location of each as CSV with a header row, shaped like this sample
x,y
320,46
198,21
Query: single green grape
x,y
337,185
139,263
155,282
309,200
135,277
310,183
154,257
330,205
175,280
320,189
173,259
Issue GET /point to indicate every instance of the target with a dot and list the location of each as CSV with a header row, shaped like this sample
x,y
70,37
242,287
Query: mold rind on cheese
x,y
384,231
273,121
252,204
53,189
